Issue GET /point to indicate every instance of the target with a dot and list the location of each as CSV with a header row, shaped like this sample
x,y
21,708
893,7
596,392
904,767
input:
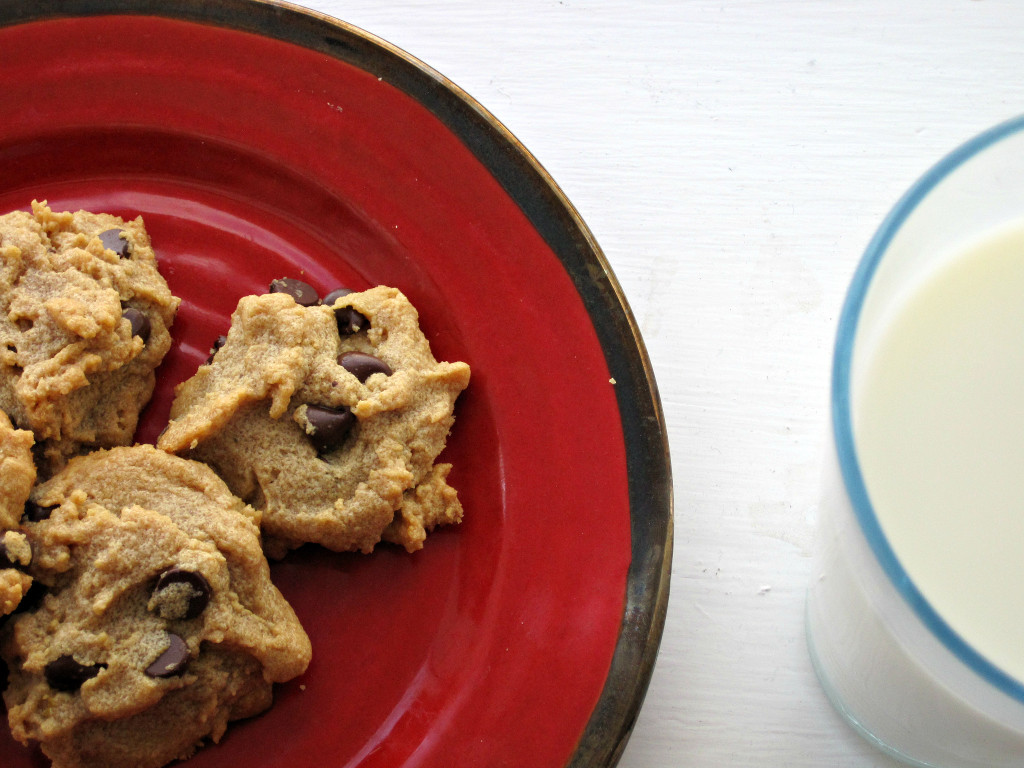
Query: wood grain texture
x,y
733,160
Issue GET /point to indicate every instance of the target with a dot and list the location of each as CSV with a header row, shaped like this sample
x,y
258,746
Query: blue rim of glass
x,y
843,427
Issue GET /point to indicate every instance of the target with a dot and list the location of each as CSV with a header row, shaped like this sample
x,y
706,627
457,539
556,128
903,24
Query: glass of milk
x,y
915,611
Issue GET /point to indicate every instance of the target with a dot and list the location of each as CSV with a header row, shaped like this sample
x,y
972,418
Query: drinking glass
x,y
889,662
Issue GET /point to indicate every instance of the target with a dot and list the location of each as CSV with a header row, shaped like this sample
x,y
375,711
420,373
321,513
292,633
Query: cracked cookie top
x,y
84,321
327,416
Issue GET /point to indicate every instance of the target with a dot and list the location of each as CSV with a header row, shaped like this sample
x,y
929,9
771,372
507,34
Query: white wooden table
x,y
732,159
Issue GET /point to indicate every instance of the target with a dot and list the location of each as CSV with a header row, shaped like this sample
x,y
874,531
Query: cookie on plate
x,y
160,623
327,416
84,319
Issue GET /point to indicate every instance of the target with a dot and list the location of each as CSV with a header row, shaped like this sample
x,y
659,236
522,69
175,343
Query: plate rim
x,y
556,220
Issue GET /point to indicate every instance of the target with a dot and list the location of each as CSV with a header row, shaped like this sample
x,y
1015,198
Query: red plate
x,y
259,140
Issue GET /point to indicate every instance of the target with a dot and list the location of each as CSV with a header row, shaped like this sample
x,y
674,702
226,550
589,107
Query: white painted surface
x,y
732,159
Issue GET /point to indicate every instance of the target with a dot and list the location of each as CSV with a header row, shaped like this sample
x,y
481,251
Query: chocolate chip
x,y
220,342
35,513
303,293
113,241
33,598
66,674
181,594
363,366
350,321
139,322
336,294
330,426
172,661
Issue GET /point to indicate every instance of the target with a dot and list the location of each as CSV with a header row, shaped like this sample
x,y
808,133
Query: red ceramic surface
x,y
252,159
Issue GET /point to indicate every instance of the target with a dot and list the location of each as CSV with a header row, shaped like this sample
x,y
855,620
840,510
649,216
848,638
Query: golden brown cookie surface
x,y
84,319
326,418
17,474
159,611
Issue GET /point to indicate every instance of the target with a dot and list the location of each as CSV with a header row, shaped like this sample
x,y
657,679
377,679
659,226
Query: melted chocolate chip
x,y
171,662
303,293
113,241
350,321
363,366
220,342
139,322
330,426
35,513
192,604
66,674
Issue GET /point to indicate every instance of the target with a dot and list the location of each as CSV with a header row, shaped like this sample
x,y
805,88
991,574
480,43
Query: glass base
x,y
840,707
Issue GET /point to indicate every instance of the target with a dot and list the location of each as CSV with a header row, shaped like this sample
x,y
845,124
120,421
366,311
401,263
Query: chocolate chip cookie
x,y
328,416
84,319
160,623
